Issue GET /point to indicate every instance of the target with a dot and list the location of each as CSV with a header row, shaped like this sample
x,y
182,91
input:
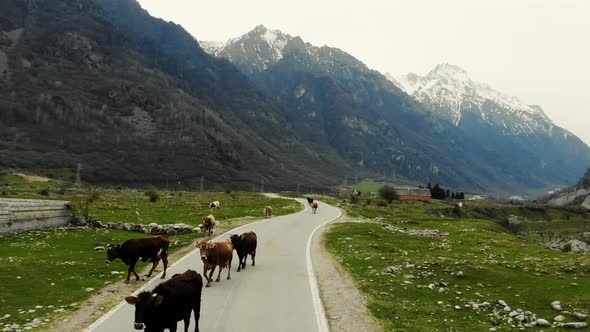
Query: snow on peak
x,y
276,40
448,70
211,47
450,89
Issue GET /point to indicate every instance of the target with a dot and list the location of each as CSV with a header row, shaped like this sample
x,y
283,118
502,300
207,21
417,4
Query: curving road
x,y
278,294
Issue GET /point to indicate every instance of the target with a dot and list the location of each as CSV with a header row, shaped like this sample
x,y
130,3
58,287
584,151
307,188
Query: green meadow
x,y
415,282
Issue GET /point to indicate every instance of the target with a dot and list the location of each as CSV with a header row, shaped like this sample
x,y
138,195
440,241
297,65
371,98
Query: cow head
x,y
112,253
205,246
235,239
146,303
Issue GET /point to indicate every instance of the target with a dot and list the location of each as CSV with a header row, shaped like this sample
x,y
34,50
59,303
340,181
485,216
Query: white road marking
x,y
321,318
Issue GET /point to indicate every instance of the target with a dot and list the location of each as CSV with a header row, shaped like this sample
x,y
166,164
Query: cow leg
x,y
229,269
205,275
165,262
240,265
243,261
154,264
253,254
187,321
219,274
197,312
132,269
211,274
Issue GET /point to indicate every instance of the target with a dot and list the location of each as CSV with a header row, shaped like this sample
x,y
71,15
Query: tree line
x,y
438,192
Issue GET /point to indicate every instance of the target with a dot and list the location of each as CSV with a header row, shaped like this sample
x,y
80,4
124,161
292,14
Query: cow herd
x,y
175,299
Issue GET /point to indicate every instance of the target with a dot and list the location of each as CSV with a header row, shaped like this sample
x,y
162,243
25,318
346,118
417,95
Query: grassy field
x,y
46,274
132,206
369,186
404,276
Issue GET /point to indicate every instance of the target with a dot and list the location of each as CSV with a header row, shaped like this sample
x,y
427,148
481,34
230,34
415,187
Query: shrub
x,y
4,193
61,191
380,202
388,193
227,191
153,194
44,192
84,204
567,247
368,201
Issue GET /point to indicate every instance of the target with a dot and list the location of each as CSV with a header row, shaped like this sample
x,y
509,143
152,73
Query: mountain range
x,y
138,100
442,127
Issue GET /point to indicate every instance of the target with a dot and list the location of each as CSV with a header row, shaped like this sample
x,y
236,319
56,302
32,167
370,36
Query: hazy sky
x,y
537,50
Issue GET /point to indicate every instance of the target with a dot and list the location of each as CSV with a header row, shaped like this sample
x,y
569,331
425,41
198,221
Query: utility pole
x,y
261,184
298,188
202,183
79,175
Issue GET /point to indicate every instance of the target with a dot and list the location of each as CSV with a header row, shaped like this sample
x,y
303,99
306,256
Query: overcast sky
x,y
537,50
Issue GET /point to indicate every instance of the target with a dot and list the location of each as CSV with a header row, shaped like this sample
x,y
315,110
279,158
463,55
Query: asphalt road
x,y
278,294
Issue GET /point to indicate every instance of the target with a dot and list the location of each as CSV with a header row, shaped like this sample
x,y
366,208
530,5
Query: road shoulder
x,y
339,295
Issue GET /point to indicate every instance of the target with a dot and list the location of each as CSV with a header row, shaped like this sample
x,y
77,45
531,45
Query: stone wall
x,y
17,215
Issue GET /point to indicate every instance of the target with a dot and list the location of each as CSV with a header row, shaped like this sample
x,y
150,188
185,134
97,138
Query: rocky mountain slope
x,y
446,129
135,99
576,195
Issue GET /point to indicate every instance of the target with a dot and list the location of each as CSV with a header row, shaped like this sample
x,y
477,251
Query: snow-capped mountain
x,y
261,47
448,90
446,128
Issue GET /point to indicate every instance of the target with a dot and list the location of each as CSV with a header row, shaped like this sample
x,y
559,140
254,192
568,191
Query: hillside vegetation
x,y
136,101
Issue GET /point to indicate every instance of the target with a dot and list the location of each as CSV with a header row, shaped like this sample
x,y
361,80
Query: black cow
x,y
168,303
245,245
309,200
148,249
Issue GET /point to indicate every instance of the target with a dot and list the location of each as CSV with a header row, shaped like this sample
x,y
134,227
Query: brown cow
x,y
209,223
215,254
314,207
148,249
170,302
245,245
267,211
